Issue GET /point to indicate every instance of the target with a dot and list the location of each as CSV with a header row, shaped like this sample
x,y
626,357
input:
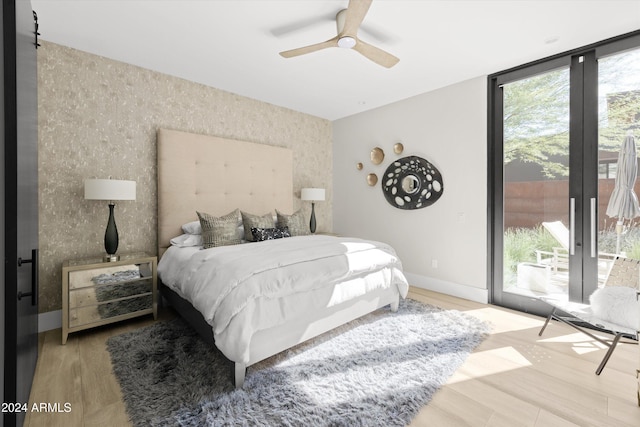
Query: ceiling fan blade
x,y
356,11
375,54
311,48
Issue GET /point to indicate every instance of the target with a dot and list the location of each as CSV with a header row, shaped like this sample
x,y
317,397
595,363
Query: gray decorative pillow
x,y
255,221
297,223
219,231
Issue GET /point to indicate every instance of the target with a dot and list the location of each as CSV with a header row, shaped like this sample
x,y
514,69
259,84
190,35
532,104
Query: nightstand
x,y
96,293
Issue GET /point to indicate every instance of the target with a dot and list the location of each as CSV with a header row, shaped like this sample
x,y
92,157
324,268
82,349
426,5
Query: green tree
x,y
619,101
536,122
536,113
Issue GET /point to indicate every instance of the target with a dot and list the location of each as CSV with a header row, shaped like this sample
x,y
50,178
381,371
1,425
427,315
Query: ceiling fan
x,y
348,22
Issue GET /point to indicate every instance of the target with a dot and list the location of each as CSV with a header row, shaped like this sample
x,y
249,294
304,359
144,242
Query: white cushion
x,y
192,227
617,304
186,240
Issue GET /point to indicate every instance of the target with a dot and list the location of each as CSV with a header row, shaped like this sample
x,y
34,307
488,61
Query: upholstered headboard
x,y
217,175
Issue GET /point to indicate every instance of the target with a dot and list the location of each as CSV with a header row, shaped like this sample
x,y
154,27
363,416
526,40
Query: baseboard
x,y
49,320
448,288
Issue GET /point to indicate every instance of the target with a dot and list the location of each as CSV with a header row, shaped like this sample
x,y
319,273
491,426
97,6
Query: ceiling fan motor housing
x,y
346,42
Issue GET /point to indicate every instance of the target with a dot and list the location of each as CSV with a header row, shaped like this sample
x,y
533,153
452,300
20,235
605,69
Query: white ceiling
x,y
233,44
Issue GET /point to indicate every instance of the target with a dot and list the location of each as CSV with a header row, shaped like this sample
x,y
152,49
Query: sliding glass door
x,y
557,130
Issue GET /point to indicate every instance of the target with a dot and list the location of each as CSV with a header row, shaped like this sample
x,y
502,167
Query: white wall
x,y
448,127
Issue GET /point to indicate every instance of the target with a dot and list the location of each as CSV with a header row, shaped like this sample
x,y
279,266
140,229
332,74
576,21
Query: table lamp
x,y
110,189
314,195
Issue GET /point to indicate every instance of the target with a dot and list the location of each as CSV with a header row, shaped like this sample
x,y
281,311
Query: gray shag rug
x,y
378,370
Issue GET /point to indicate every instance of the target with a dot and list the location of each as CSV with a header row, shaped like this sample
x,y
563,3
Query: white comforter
x,y
244,288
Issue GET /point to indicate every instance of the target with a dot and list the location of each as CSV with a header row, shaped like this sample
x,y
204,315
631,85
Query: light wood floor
x,y
514,378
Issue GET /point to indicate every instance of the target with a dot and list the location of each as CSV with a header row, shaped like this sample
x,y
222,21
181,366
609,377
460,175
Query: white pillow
x,y
193,227
186,240
617,304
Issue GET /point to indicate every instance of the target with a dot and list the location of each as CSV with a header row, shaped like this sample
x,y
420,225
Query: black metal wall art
x,y
412,183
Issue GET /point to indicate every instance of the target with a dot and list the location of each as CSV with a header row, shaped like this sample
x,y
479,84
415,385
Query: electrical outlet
x,y
434,263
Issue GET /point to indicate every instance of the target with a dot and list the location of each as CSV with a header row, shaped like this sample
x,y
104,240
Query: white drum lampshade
x,y
313,194
109,189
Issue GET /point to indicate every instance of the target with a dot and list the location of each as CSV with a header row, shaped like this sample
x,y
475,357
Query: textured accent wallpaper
x,y
97,118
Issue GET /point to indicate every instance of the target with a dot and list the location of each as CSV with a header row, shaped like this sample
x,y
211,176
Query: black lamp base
x,y
312,222
111,238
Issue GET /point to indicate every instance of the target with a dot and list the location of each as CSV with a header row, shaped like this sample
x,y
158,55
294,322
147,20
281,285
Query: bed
x,y
254,300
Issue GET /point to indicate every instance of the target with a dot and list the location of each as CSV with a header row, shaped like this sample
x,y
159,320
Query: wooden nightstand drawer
x,y
96,293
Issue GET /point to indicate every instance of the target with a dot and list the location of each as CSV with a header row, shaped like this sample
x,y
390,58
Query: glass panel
x,y
103,276
94,295
91,314
618,119
536,184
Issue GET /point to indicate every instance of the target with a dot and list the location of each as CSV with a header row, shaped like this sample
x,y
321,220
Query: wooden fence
x,y
527,204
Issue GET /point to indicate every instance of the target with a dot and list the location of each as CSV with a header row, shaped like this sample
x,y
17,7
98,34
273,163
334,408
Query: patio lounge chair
x,y
614,308
558,259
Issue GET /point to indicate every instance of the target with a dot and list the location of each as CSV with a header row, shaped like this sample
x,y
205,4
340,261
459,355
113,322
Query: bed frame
x,y
217,175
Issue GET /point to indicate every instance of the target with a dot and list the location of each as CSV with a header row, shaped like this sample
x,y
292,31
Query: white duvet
x,y
245,288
